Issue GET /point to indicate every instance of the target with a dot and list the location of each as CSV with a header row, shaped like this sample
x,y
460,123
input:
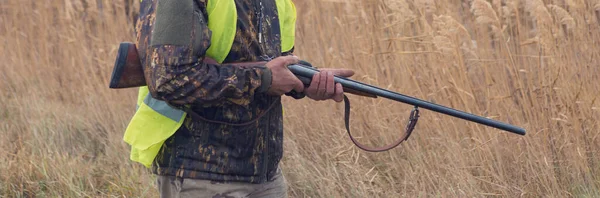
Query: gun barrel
x,y
309,72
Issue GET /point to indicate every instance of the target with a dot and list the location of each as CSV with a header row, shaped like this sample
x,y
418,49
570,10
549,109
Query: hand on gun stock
x,y
321,87
282,79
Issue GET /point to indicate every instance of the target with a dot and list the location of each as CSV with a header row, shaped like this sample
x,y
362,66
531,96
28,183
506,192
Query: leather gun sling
x,y
412,122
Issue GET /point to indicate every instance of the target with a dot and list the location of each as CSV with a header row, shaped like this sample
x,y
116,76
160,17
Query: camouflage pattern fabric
x,y
176,74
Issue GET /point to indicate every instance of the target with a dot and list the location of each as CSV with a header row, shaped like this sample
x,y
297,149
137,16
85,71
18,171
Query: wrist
x,y
266,80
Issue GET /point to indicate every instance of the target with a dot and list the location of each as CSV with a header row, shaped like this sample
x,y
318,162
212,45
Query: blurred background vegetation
x,y
531,63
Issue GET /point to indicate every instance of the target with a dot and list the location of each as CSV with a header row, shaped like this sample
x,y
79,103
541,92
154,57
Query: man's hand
x,y
322,86
283,80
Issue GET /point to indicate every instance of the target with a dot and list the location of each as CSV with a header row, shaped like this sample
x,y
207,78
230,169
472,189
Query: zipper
x,y
260,15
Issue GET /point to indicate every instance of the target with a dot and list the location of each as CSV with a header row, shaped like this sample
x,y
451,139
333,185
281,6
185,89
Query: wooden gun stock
x,y
128,71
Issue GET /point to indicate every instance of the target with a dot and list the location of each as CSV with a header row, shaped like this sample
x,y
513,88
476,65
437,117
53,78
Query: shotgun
x,y
128,72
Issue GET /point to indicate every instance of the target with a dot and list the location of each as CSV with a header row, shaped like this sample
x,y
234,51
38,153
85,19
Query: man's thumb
x,y
288,60
298,86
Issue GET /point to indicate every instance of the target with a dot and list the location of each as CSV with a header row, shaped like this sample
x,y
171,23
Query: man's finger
x,y
330,85
312,88
340,72
322,85
339,93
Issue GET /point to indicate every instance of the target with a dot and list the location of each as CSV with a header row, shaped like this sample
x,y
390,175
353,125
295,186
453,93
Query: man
x,y
230,143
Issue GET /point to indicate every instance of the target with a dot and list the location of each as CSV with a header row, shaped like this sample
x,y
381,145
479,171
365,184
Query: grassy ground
x,y
530,63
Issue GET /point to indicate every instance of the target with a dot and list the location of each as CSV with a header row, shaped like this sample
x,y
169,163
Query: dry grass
x,y
530,63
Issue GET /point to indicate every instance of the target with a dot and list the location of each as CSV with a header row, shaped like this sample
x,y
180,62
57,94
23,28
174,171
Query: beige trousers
x,y
170,186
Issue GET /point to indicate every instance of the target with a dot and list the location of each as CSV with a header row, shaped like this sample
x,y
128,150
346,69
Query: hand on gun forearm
x,y
322,86
282,79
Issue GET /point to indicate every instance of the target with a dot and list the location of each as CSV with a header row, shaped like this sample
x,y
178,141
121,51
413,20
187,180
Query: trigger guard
x,y
294,94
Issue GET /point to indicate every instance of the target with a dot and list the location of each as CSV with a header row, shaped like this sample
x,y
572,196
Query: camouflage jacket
x,y
173,37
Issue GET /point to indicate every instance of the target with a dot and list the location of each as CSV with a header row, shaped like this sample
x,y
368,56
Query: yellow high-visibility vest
x,y
155,121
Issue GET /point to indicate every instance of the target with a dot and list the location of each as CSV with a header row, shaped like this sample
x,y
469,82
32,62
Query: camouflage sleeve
x,y
174,68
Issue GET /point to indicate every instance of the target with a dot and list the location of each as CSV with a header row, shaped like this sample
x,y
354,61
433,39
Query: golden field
x,y
531,63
